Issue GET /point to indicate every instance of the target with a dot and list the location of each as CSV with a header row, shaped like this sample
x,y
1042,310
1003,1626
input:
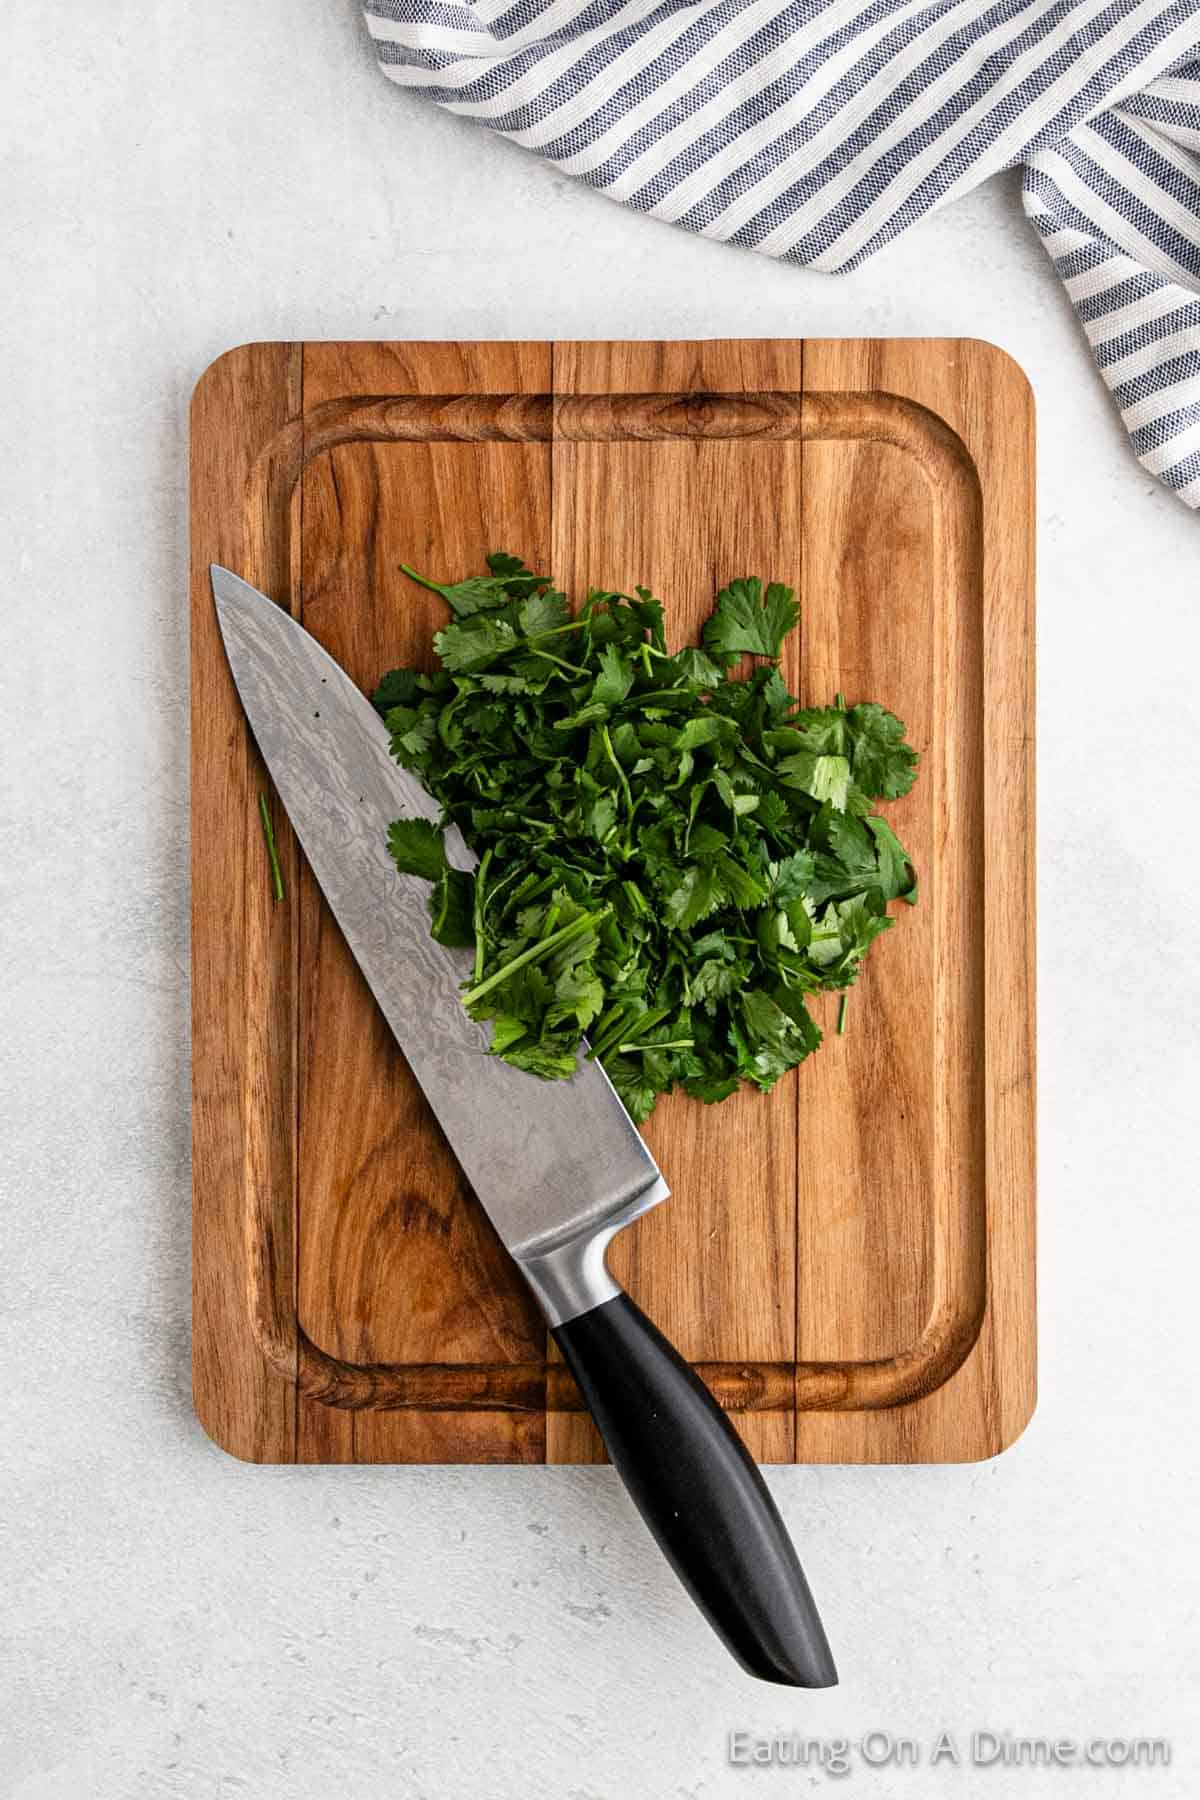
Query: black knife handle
x,y
700,1492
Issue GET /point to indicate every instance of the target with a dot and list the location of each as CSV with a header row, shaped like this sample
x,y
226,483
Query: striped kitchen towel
x,y
817,131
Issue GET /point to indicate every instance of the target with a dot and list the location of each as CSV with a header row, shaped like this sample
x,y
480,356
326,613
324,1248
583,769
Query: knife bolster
x,y
572,1278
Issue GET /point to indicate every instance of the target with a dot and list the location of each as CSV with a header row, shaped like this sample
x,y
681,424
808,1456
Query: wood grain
x,y
242,946
850,1264
924,535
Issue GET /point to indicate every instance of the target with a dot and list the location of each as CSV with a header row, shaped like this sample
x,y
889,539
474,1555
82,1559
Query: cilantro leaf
x,y
614,680
635,1089
791,877
696,670
413,731
770,1041
896,879
746,622
705,728
821,777
551,1062
509,580
452,908
578,996
542,613
417,848
714,980
884,766
699,892
474,643
398,688
512,573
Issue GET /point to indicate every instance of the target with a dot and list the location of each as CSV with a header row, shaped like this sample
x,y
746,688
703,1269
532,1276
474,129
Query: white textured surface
x,y
177,1624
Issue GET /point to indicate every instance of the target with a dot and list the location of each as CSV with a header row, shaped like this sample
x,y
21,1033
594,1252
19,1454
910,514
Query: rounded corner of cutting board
x,y
1005,366
225,1433
228,362
1013,1431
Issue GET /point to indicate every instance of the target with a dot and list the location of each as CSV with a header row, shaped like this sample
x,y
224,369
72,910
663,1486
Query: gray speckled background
x,y
175,1624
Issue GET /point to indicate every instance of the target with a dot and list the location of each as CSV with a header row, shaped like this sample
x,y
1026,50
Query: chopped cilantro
x,y
671,860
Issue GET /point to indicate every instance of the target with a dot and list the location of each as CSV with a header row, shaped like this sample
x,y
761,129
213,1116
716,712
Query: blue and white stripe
x,y
817,131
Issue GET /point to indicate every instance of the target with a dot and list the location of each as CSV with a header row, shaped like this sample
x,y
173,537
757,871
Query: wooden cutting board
x,y
850,1262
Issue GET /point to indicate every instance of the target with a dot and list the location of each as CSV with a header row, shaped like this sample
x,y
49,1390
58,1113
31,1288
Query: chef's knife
x,y
558,1166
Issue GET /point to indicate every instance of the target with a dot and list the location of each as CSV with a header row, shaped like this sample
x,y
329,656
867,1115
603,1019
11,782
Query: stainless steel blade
x,y
556,1164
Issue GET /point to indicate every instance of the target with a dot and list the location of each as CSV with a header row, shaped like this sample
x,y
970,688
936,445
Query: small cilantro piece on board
x,y
264,814
745,622
672,860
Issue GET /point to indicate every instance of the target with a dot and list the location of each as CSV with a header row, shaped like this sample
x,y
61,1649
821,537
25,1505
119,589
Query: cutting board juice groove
x,y
848,1263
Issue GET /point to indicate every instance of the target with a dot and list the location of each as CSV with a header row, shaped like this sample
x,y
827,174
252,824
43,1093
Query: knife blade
x,y
558,1166
556,1181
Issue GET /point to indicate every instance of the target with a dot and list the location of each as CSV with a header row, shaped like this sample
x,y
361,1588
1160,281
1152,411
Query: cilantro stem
x,y
605,1041
536,953
272,853
556,631
480,903
843,1003
612,757
490,896
639,1049
435,587
609,1028
558,661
